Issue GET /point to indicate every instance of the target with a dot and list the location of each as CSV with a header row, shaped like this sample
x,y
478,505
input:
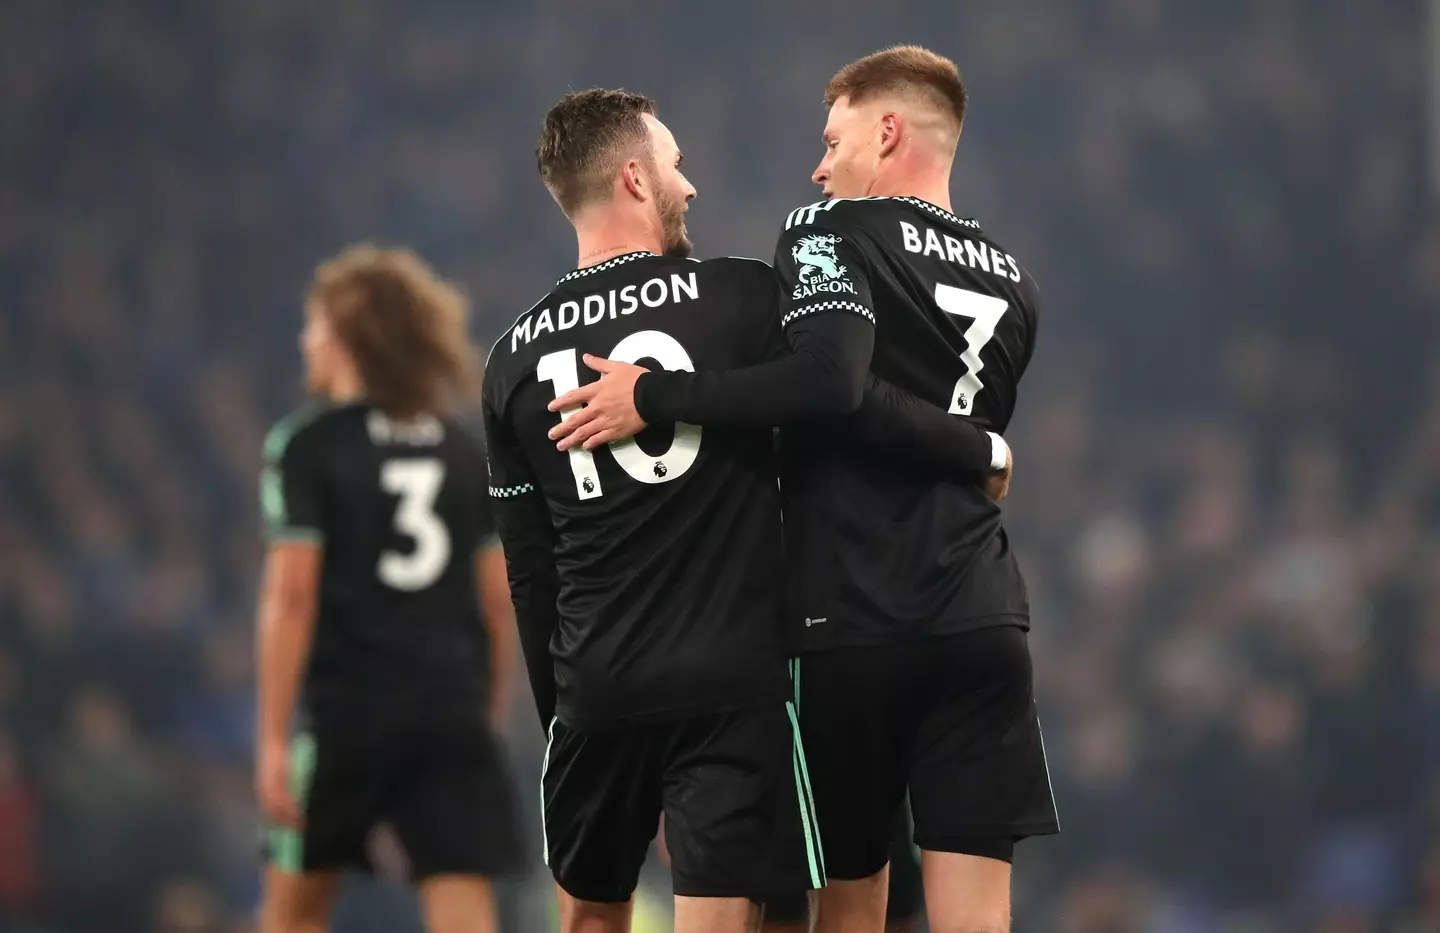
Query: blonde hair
x,y
905,69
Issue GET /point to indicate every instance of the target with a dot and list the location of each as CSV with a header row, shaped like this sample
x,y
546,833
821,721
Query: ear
x,y
634,180
892,128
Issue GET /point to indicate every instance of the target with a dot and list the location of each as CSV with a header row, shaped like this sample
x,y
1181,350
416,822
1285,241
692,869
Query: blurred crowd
x,y
1228,447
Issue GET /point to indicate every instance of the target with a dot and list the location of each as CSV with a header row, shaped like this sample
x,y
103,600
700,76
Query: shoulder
x,y
740,270
511,355
724,267
813,233
1018,272
738,264
737,289
838,214
967,224
299,429
509,339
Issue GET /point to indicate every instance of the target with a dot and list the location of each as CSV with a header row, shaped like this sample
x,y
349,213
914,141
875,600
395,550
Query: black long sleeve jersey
x,y
646,574
876,549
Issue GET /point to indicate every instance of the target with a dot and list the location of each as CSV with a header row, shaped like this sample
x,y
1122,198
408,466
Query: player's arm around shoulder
x,y
822,375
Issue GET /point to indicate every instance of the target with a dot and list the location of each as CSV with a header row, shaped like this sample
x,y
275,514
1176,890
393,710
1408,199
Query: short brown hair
x,y
403,325
901,68
585,137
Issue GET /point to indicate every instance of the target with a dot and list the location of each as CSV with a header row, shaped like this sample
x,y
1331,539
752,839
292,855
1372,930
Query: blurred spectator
x,y
116,823
217,725
20,855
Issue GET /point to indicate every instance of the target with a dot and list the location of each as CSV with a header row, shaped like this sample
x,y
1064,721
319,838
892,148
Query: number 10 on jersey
x,y
562,370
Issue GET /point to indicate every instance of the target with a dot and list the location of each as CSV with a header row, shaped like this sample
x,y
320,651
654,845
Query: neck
x,y
602,235
346,387
929,182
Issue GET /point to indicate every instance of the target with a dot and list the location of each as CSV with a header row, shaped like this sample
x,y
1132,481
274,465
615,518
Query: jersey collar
x,y
939,211
605,266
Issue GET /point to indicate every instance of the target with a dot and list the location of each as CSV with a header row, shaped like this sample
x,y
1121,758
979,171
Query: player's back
x,y
878,552
400,508
668,545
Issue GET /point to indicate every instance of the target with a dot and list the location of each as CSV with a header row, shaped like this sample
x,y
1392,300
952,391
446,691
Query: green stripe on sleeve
x,y
296,535
273,506
272,496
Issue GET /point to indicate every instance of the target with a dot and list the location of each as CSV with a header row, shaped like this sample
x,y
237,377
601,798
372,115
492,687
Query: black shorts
x,y
951,719
444,790
739,819
907,891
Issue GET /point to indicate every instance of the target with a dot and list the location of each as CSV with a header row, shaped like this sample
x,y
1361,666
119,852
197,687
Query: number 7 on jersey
x,y
985,313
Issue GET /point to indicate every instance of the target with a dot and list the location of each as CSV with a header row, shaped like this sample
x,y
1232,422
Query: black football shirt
x,y
876,552
879,547
646,572
400,508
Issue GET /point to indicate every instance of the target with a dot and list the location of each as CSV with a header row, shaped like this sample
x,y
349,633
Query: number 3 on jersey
x,y
562,370
985,313
417,483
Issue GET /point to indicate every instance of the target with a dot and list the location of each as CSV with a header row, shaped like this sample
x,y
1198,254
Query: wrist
x,y
641,396
649,398
999,453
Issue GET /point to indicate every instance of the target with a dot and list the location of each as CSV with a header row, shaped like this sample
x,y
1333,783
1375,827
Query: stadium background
x,y
1228,445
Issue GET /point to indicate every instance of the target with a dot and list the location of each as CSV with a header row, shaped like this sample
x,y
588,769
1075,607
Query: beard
x,y
675,239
